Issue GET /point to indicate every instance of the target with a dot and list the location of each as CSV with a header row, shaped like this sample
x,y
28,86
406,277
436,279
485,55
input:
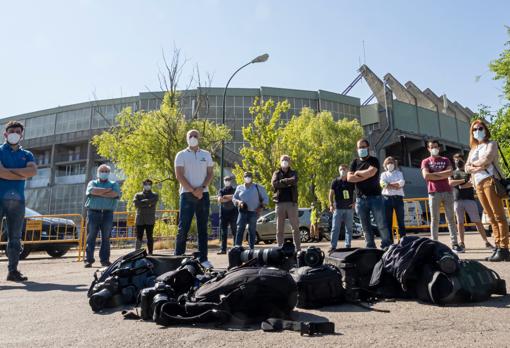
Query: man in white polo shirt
x,y
194,171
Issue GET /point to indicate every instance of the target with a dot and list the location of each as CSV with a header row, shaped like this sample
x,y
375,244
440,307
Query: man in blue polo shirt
x,y
102,197
16,165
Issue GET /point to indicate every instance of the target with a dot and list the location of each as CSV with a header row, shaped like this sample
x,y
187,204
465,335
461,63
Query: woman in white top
x,y
482,163
392,183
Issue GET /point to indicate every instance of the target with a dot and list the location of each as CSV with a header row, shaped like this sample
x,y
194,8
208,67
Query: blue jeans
x,y
247,218
99,220
375,205
228,219
190,206
14,212
340,216
395,203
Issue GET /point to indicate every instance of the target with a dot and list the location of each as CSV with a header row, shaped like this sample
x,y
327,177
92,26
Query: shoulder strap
x,y
305,328
258,192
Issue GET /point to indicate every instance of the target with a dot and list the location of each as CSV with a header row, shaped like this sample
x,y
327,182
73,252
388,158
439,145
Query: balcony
x,y
70,179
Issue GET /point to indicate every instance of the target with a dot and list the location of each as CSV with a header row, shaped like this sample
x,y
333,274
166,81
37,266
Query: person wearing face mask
x,y
145,203
364,172
284,182
392,183
16,165
341,204
102,196
228,213
482,164
194,171
464,201
250,199
436,170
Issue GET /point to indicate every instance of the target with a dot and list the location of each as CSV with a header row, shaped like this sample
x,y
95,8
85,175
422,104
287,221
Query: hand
x,y
198,192
351,206
219,199
331,208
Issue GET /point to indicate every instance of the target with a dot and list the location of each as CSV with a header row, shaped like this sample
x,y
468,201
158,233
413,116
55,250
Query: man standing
x,y
436,170
102,198
16,165
145,203
228,213
250,198
314,223
365,172
341,203
464,201
285,196
194,171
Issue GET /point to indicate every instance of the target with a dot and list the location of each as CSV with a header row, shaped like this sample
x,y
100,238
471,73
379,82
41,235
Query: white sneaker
x,y
207,264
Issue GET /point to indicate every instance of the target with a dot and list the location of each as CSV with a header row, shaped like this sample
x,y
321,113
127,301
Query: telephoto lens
x,y
275,257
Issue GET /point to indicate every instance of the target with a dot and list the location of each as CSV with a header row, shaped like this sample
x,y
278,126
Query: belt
x,y
101,210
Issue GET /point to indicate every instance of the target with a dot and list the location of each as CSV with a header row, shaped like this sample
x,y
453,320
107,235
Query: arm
x,y
209,177
331,196
488,157
367,173
278,184
455,182
29,171
263,193
225,198
179,175
353,177
153,200
236,199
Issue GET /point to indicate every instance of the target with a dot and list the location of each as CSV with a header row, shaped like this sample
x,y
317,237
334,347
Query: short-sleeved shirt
x,y
195,166
101,203
226,191
344,193
462,193
370,186
434,165
15,159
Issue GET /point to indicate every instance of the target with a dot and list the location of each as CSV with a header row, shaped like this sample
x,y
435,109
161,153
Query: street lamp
x,y
259,59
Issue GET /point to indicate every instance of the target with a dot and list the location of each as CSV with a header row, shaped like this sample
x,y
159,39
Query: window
x,y
72,121
40,126
104,116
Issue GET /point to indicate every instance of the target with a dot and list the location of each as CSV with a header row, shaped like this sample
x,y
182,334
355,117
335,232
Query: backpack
x,y
248,294
473,282
318,287
356,266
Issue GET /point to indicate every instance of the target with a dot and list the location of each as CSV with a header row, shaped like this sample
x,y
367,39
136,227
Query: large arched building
x,y
397,124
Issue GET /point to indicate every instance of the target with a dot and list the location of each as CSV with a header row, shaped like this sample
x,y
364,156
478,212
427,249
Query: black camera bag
x,y
318,287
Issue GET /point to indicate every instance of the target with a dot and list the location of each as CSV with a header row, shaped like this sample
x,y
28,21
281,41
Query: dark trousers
x,y
99,220
190,206
14,213
395,203
228,219
140,229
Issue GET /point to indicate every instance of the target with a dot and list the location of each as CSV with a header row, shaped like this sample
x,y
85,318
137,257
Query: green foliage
x,y
144,144
316,143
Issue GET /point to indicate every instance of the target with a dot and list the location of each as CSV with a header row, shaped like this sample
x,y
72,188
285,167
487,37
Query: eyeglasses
x,y
478,129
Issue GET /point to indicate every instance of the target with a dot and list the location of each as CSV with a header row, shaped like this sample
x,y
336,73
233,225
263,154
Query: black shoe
x,y
106,264
88,264
221,252
462,245
16,276
493,254
457,249
500,255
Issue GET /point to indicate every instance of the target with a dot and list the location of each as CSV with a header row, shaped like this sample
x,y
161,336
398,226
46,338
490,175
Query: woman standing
x,y
482,164
392,183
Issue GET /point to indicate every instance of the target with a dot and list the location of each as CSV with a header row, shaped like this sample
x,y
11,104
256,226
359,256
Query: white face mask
x,y
434,151
227,183
342,173
285,164
390,167
13,138
192,141
147,187
247,180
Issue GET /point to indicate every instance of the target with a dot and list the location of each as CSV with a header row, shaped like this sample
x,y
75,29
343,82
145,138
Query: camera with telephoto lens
x,y
103,292
153,298
277,257
312,257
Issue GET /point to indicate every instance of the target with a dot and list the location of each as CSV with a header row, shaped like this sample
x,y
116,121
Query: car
x,y
62,231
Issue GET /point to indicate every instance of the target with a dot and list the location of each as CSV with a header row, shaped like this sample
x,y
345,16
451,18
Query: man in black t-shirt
x,y
341,203
464,201
228,212
364,172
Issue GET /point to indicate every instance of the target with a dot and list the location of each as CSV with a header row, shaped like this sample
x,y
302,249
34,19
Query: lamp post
x,y
259,59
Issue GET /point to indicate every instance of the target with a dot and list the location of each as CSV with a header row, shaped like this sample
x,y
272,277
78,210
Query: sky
x,y
63,52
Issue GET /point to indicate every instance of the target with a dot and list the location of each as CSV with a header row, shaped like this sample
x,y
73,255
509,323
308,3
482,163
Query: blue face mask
x,y
362,153
104,176
479,135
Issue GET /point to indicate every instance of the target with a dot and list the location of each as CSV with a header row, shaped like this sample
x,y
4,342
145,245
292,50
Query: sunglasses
x,y
478,129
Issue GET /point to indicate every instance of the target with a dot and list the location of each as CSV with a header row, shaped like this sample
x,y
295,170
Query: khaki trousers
x,y
493,207
287,210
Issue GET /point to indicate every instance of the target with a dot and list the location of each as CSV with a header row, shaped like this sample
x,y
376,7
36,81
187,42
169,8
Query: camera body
x,y
152,298
311,256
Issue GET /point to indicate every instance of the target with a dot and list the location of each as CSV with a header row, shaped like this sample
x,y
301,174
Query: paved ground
x,y
51,310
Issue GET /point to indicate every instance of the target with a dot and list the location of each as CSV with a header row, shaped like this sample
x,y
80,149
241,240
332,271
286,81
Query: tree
x,y
260,154
144,144
317,145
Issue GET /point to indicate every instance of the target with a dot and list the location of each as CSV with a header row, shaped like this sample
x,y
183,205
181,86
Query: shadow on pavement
x,y
39,287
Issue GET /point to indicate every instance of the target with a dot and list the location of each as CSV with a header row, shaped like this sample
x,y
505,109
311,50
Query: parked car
x,y
62,231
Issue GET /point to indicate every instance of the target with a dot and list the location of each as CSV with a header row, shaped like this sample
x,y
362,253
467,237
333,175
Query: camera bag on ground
x,y
356,266
318,287
120,283
248,294
472,282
